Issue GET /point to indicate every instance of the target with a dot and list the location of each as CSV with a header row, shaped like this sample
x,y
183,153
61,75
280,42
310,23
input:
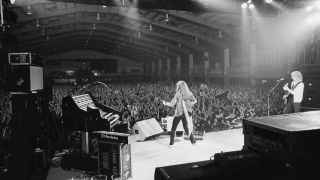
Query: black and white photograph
x,y
159,89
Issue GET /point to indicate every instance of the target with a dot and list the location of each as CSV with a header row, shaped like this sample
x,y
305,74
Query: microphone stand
x,y
269,96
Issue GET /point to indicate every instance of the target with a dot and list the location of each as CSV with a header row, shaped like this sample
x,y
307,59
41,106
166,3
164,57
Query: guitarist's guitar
x,y
287,97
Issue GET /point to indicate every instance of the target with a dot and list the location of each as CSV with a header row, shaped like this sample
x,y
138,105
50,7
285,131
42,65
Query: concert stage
x,y
147,155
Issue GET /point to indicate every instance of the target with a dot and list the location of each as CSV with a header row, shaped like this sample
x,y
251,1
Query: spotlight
x,y
244,5
104,6
268,1
249,1
29,10
37,24
167,18
309,8
251,6
98,16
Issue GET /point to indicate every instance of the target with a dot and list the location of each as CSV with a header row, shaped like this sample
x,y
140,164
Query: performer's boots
x,y
172,134
192,140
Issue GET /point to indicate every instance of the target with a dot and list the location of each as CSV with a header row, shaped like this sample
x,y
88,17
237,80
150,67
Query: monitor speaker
x,y
147,128
25,78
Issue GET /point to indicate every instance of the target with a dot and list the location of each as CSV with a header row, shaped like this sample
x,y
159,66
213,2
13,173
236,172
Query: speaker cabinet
x,y
25,78
147,128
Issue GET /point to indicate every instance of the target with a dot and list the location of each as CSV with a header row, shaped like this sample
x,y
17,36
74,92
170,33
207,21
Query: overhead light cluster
x,y
247,4
313,7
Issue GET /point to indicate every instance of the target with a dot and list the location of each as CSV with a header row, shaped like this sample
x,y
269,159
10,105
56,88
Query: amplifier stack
x,y
282,147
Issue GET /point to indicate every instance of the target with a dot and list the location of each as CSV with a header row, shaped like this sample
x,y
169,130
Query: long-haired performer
x,y
294,95
182,96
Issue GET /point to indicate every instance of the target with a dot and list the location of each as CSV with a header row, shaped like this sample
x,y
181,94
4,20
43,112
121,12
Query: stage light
x,y
98,16
249,1
104,6
37,24
251,6
268,1
12,1
167,18
244,5
29,10
309,8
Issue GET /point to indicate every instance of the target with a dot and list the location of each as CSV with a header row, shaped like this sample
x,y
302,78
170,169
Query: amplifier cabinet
x,y
230,169
291,140
26,78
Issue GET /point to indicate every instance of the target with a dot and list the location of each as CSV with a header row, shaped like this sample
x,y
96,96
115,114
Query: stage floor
x,y
147,155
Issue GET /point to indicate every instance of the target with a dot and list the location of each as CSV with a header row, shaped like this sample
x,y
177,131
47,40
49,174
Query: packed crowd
x,y
5,112
219,107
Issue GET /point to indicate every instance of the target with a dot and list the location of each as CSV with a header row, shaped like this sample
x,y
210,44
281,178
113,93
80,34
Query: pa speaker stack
x,y
26,73
311,97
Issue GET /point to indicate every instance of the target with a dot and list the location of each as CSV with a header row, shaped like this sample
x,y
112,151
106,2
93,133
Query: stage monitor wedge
x,y
147,128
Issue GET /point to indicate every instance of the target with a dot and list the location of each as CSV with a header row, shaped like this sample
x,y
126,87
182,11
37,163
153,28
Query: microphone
x,y
280,80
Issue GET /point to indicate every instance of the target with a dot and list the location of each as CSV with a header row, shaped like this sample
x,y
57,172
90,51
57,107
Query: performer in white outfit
x,y
183,101
294,95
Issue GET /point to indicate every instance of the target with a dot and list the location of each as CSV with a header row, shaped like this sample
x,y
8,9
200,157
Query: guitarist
x,y
294,94
183,100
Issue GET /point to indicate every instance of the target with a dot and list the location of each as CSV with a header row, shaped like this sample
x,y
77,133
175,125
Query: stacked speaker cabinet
x,y
311,97
24,81
291,141
26,72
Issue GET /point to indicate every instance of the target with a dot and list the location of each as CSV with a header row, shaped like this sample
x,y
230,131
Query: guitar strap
x,y
290,97
292,88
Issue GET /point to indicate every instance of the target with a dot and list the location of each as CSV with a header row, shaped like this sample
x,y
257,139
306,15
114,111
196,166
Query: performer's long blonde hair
x,y
297,75
183,89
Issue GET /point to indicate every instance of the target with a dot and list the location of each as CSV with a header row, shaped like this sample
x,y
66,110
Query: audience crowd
x,y
219,106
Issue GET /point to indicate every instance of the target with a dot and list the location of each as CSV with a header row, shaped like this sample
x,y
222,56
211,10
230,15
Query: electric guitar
x,y
288,96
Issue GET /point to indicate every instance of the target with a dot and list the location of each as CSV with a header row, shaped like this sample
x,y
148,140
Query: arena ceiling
x,y
139,30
